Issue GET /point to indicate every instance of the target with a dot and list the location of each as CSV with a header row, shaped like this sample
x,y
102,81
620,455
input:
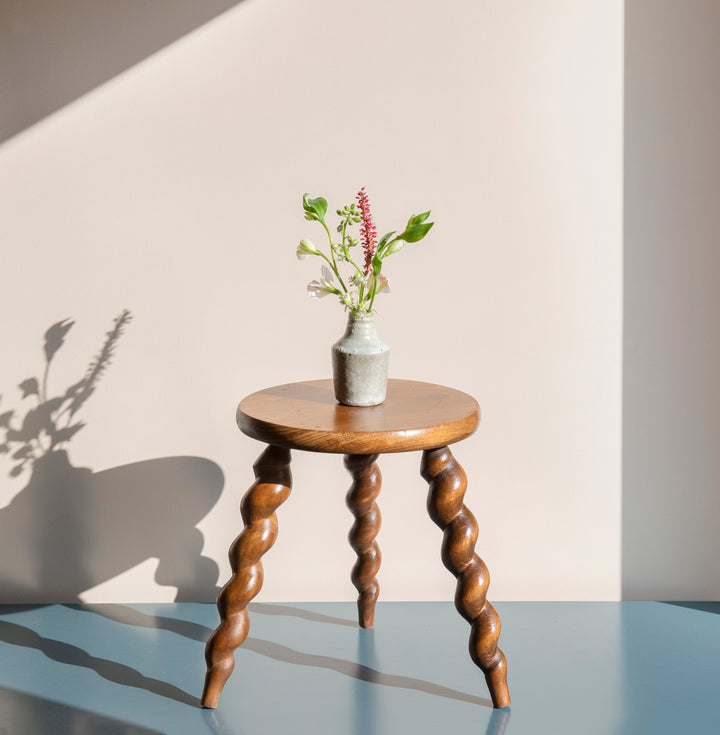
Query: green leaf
x,y
383,242
377,263
414,233
309,212
417,219
314,208
320,206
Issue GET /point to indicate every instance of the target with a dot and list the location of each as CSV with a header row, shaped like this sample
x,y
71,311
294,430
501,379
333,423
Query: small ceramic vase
x,y
360,361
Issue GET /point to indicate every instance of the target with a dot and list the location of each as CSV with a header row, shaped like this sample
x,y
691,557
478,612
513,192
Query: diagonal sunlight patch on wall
x,y
52,53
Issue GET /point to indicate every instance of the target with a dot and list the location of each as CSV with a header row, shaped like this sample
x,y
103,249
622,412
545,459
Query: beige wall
x,y
174,190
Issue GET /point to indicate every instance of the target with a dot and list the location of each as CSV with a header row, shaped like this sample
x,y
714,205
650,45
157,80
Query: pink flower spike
x,y
368,233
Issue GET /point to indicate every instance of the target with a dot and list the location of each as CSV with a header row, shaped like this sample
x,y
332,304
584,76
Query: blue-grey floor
x,y
607,668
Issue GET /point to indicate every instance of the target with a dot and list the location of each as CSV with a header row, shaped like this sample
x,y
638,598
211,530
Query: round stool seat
x,y
414,416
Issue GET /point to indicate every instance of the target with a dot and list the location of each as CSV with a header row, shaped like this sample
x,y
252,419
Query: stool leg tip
x,y
211,691
366,618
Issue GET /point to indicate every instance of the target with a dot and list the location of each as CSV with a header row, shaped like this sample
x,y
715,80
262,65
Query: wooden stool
x,y
415,416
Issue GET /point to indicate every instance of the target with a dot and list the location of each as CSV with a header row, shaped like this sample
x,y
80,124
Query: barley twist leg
x,y
361,501
270,489
448,483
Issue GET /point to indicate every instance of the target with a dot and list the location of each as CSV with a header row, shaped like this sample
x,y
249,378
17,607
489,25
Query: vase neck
x,y
361,324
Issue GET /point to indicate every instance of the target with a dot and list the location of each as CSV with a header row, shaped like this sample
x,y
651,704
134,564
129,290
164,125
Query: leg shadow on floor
x,y
354,669
298,612
65,653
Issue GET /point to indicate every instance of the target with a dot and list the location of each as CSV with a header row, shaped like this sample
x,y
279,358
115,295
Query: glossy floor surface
x,y
607,668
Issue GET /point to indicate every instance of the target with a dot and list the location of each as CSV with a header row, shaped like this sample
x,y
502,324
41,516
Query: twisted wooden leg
x,y
271,488
445,505
361,501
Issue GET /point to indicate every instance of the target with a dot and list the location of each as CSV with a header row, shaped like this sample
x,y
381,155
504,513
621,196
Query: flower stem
x,y
333,265
374,291
335,271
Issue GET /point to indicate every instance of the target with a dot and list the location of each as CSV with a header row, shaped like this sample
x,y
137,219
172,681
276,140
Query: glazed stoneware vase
x,y
360,361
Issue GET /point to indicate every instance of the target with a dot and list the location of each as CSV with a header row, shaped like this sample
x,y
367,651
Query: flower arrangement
x,y
358,291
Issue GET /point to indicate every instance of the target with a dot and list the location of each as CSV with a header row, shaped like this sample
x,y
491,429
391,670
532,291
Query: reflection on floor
x,y
593,668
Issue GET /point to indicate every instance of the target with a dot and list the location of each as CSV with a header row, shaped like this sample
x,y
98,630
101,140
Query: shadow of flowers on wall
x,y
71,528
49,425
